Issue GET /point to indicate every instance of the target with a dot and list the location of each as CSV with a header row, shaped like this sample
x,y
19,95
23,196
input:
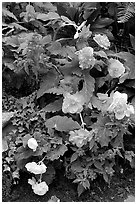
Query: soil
x,y
121,187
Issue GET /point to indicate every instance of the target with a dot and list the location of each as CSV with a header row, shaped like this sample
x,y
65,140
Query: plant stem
x,y
82,122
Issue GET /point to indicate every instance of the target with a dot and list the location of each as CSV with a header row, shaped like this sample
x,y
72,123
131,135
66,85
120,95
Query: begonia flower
x,y
115,68
120,107
73,103
102,40
79,137
86,58
32,144
35,168
38,188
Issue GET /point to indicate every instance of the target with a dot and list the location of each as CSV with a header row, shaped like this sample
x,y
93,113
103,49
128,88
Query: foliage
x,y
65,55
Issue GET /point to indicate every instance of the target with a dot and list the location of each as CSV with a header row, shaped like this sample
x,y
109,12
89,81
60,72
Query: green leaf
x,y
68,21
86,184
88,86
102,22
49,16
17,26
49,175
105,176
80,189
57,152
46,5
5,146
48,81
101,53
132,40
74,157
45,40
5,12
98,165
55,48
54,107
25,139
56,90
62,123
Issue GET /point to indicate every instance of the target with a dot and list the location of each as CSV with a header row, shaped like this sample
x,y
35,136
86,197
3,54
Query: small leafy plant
x,y
82,92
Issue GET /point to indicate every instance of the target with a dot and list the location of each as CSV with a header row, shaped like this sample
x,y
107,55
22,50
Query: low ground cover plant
x,y
72,90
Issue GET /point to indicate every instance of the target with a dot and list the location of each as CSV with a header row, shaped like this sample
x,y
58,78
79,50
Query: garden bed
x,y
122,185
68,101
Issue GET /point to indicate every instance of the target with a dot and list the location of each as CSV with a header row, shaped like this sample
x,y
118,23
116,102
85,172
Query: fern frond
x,y
125,12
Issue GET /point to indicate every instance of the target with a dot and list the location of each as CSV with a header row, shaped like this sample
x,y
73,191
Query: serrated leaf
x,y
54,107
49,16
48,81
56,153
88,86
56,90
62,123
80,189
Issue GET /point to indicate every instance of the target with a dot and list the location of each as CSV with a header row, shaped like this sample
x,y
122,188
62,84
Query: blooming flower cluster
x,y
32,144
35,168
80,137
102,40
38,188
120,107
73,103
86,59
115,68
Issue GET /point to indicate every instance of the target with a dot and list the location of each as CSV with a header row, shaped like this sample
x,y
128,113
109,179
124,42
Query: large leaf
x,y
55,48
56,153
62,123
102,22
54,107
88,86
47,6
5,146
7,13
48,81
49,16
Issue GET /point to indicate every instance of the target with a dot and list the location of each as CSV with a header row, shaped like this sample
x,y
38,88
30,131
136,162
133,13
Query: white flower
x,y
32,144
120,107
38,188
86,59
102,40
35,168
79,137
115,68
73,103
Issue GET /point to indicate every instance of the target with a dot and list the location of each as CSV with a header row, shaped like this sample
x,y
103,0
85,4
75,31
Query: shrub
x,y
83,103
